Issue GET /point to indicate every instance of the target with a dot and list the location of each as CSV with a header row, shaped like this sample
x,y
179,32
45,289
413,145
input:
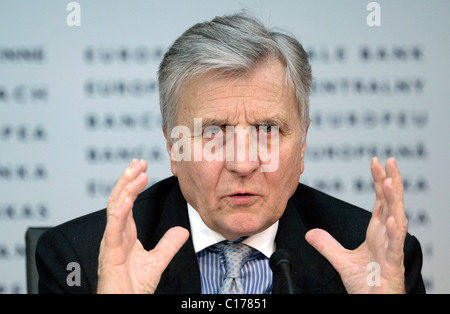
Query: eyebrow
x,y
275,121
283,124
206,122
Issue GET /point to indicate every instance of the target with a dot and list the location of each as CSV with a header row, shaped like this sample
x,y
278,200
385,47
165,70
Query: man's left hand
x,y
381,254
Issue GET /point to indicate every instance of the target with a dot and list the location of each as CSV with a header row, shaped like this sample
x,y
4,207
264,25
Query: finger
x,y
396,240
393,172
328,246
378,175
123,180
120,215
121,207
169,245
127,182
395,204
130,173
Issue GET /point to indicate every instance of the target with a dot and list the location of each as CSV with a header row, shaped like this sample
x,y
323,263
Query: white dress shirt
x,y
203,236
256,274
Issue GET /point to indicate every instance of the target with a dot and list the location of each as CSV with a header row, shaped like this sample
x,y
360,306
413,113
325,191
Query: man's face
x,y
234,197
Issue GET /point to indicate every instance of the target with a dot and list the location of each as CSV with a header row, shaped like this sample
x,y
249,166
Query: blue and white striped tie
x,y
236,254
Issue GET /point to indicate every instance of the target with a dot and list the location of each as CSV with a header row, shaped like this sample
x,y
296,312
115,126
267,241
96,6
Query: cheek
x,y
284,182
198,181
291,161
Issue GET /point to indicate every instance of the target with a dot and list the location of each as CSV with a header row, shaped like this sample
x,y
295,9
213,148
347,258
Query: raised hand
x,y
382,251
124,265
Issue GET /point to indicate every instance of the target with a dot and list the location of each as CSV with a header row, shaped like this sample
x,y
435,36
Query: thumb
x,y
328,246
169,245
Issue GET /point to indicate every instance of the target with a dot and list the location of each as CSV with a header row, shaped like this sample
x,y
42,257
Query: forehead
x,y
257,96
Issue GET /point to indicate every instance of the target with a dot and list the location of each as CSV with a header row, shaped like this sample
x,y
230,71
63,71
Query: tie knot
x,y
236,254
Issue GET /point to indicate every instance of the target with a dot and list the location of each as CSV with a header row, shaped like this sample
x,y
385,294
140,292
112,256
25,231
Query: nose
x,y
242,155
242,168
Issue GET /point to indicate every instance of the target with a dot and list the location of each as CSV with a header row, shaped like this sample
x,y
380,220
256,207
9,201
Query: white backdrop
x,y
77,103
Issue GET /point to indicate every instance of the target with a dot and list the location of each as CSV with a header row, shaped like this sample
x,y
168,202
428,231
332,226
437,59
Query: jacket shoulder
x,y
348,223
78,240
90,227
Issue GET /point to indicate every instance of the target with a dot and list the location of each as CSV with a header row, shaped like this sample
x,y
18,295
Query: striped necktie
x,y
236,254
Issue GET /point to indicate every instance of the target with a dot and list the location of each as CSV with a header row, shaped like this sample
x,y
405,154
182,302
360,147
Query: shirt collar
x,y
203,236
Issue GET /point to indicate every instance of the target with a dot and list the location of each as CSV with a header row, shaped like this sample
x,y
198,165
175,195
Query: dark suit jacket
x,y
162,206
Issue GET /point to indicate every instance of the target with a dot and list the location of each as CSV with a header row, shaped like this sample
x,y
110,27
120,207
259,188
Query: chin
x,y
243,225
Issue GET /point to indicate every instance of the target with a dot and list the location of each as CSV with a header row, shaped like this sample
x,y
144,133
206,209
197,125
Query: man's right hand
x,y
124,266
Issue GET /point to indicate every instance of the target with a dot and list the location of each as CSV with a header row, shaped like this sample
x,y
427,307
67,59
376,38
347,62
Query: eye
x,y
212,131
269,129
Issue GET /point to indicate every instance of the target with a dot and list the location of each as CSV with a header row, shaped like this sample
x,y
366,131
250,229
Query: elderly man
x,y
212,227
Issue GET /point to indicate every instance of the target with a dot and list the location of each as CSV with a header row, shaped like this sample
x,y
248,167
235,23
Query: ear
x,y
302,151
173,163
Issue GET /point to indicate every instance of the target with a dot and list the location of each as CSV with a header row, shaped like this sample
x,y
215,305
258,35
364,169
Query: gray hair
x,y
234,46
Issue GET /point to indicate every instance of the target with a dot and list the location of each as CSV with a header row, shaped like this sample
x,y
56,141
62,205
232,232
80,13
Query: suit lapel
x,y
311,272
182,275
